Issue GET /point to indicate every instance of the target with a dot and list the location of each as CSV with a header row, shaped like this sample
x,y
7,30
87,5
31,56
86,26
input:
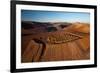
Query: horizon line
x,y
54,21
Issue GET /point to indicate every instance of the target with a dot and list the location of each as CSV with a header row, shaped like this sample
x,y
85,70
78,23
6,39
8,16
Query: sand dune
x,y
70,43
79,27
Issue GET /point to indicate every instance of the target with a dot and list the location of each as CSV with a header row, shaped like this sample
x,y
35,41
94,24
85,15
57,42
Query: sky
x,y
54,16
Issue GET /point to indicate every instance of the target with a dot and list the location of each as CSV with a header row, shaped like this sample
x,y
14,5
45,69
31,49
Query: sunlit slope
x,y
79,27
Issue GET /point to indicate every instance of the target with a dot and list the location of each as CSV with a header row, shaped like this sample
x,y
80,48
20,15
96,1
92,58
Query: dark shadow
x,y
42,49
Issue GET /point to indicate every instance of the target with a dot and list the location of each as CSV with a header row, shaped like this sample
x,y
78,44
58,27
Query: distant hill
x,y
28,26
79,27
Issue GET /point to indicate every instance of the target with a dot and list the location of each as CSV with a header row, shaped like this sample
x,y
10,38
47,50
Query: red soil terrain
x,y
72,42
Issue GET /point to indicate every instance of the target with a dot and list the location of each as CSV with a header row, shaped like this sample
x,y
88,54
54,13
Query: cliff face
x,y
69,43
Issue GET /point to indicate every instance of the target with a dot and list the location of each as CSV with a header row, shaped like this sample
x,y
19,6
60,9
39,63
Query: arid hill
x,y
79,27
63,41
